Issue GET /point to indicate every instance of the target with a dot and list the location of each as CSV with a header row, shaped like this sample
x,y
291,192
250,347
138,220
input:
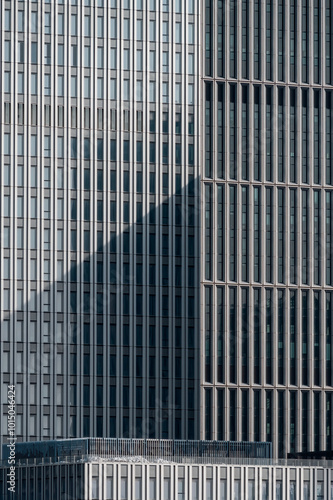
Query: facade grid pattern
x,y
267,187
99,218
95,480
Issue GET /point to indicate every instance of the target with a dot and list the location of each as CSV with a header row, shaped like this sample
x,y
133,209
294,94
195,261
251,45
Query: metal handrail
x,y
221,461
156,448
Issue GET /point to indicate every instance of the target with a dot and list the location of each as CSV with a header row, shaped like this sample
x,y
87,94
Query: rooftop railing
x,y
220,461
168,449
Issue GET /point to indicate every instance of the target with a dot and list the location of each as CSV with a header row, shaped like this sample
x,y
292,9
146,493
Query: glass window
x,y
33,238
6,233
178,93
292,491
20,144
47,84
6,206
60,117
113,27
139,90
100,27
181,489
190,63
139,121
60,54
87,26
165,31
60,24
306,491
165,62
126,59
86,56
73,86
60,85
47,146
74,55
126,29
178,62
113,58
209,490
7,19
264,491
20,52
87,86
152,29
7,51
152,91
113,95
34,53
34,22
74,24
139,29
152,488
123,488
126,90
100,57
6,144
7,81
138,488
178,33
20,83
19,177
191,93
47,23
139,60
165,92
191,34
250,490
152,60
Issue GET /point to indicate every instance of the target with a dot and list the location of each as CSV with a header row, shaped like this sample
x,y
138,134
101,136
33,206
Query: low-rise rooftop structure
x,y
139,469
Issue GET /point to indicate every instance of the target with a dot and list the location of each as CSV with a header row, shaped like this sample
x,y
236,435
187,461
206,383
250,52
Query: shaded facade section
x,y
267,191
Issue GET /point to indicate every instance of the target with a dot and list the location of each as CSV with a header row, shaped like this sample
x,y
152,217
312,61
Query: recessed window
x,y
34,52
74,24
152,29
126,29
86,25
60,24
47,23
139,29
139,60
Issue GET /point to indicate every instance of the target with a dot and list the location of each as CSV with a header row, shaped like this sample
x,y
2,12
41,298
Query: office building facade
x,y
99,218
137,469
122,479
267,187
148,147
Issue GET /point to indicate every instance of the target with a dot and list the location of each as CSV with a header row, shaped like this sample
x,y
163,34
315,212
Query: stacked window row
x,y
245,327
93,87
251,133
253,40
68,23
55,300
108,293
264,415
88,372
290,228
90,147
199,483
